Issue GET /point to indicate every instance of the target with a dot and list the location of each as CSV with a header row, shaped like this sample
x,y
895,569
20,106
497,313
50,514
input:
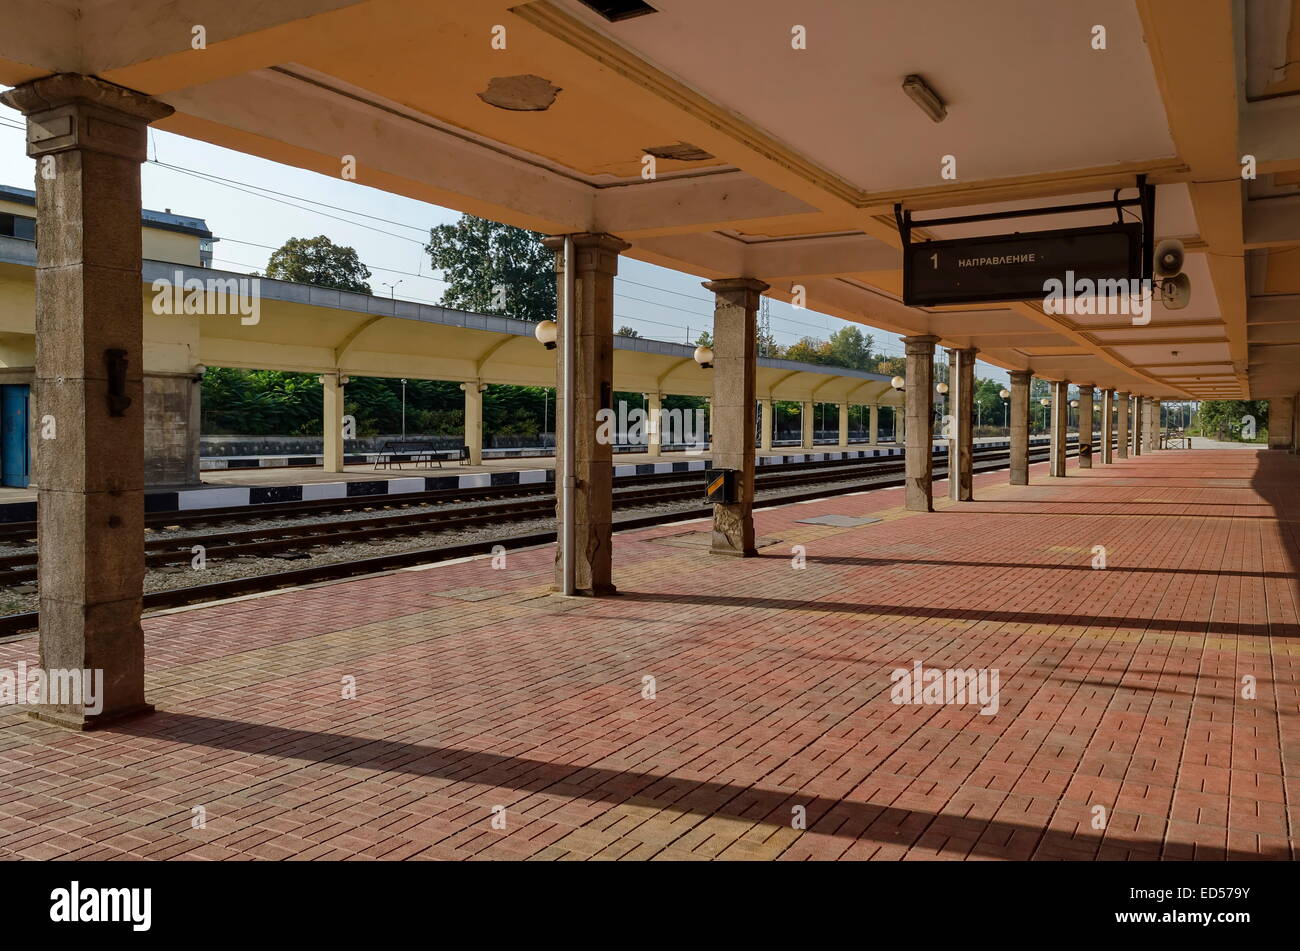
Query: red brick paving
x,y
1120,689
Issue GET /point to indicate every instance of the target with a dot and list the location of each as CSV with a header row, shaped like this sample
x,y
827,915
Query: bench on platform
x,y
394,452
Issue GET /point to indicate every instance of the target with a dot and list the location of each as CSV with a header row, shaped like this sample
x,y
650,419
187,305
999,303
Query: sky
x,y
253,206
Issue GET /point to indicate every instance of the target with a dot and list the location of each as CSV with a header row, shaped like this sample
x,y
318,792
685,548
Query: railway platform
x,y
1144,705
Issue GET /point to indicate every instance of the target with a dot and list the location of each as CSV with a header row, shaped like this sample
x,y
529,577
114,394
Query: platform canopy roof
x,y
774,162
307,329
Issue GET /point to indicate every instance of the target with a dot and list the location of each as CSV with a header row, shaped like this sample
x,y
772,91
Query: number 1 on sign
x,y
935,259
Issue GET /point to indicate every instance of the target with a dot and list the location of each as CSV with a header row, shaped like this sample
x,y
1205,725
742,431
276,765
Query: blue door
x,y
13,434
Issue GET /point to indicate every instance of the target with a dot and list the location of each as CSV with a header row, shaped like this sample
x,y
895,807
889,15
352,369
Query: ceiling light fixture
x,y
615,10
919,91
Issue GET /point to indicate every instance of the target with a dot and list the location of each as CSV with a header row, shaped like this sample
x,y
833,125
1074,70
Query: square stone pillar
x,y
807,425
844,424
1153,427
961,447
1107,426
735,369
332,391
873,433
595,262
1060,416
767,423
1085,425
653,424
1139,424
1121,424
474,420
1020,426
173,404
88,139
1280,422
918,462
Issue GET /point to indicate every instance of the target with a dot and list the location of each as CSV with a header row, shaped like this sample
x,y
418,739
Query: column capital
x,y
588,239
599,251
920,344
732,284
1123,394
1021,377
970,350
70,111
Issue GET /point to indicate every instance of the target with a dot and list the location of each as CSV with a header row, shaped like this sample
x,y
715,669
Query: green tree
x,y
491,268
321,262
849,347
260,403
626,331
808,350
1221,419
890,366
990,409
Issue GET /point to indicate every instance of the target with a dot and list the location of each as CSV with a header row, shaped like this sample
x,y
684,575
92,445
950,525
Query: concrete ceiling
x,y
799,156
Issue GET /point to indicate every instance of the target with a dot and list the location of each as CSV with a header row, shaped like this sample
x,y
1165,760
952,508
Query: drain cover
x,y
705,540
839,521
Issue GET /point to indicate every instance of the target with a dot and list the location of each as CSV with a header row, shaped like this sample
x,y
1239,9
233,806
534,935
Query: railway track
x,y
527,503
24,533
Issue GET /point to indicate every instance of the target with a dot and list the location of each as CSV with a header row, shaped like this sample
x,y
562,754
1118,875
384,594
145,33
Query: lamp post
x,y
942,390
403,409
1006,421
1045,402
898,383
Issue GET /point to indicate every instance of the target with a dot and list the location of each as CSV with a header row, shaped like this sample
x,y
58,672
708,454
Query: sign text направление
x,y
1010,267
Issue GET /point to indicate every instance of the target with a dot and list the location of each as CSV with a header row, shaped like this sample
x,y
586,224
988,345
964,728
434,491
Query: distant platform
x,y
224,488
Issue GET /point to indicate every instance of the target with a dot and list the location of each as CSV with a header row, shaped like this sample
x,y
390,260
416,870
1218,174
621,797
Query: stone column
x,y
595,262
1107,426
918,462
332,411
735,368
768,422
807,424
172,414
653,429
1121,429
844,424
961,447
88,139
1060,416
1280,422
1020,426
873,433
1139,410
1154,427
1085,426
474,420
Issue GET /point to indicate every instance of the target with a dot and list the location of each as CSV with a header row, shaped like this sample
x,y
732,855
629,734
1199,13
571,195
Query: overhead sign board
x,y
1009,267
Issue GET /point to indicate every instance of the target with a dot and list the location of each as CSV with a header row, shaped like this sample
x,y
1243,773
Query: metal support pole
x,y
570,421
